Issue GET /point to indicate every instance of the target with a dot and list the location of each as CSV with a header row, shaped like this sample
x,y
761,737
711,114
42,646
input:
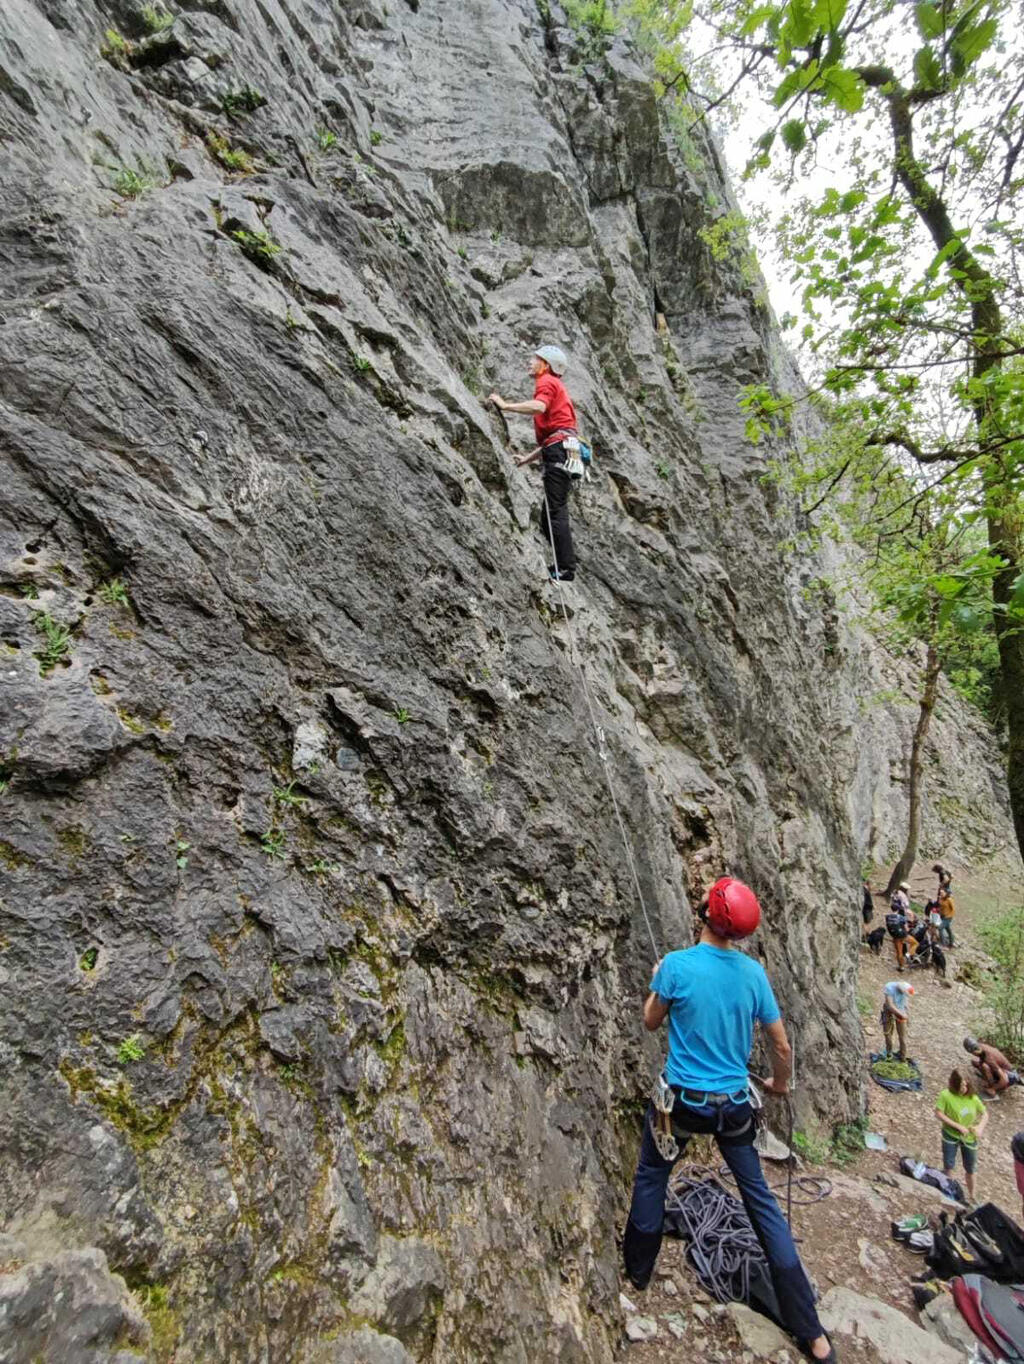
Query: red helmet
x,y
733,911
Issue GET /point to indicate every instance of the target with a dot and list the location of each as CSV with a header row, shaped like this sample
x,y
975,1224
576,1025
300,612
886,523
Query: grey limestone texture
x,y
320,957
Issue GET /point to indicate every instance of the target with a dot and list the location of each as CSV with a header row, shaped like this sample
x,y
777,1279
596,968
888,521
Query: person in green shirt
x,y
963,1117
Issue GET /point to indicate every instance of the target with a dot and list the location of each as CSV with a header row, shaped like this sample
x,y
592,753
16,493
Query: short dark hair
x,y
960,1083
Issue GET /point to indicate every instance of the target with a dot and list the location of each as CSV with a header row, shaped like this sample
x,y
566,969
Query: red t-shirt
x,y
560,414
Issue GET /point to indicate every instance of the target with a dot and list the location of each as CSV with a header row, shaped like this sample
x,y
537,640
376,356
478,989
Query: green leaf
x,y
971,42
758,16
927,71
843,88
828,14
794,135
798,28
930,22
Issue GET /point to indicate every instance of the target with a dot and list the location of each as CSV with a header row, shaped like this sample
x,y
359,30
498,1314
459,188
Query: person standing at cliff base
x,y
896,1015
712,995
554,419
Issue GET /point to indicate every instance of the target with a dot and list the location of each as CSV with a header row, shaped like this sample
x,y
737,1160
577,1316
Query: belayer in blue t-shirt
x,y
712,995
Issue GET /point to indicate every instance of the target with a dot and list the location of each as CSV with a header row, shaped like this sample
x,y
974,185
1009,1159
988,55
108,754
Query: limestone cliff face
x,y
319,952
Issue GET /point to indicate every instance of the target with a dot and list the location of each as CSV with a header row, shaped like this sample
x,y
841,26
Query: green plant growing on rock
x,y
155,19
243,101
663,469
164,1326
56,642
376,137
272,843
594,23
285,795
87,961
258,246
848,1141
131,1049
114,593
181,848
321,867
402,715
231,158
360,363
132,184
29,590
116,48
810,1147
326,140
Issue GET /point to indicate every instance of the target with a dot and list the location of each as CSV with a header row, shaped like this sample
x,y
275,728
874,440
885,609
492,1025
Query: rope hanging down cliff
x,y
602,751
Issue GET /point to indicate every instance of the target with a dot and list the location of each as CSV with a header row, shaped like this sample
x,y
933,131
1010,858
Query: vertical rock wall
x,y
319,953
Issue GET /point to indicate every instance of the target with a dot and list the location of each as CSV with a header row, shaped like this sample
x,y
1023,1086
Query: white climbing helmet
x,y
554,356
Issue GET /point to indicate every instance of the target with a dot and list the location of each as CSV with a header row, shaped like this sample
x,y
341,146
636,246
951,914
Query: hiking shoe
x,y
906,1226
920,1242
561,575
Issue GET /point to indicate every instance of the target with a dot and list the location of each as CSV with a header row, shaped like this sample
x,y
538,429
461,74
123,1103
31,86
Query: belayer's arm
x,y
655,1012
782,1058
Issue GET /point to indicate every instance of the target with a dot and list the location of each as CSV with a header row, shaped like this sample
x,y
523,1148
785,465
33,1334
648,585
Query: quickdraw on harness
x,y
665,1132
578,456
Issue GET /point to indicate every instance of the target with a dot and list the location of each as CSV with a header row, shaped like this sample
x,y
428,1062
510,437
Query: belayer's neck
x,y
713,940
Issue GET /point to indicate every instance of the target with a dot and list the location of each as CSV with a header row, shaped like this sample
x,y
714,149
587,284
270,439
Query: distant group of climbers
x,y
917,940
559,446
959,1108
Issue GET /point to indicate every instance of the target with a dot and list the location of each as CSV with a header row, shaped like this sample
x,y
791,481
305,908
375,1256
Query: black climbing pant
x,y
556,498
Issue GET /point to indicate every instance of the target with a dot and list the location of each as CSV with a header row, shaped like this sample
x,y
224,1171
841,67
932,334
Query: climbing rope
x,y
602,752
721,1242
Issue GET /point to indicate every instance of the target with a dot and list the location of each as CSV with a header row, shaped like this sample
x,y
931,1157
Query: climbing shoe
x,y
830,1358
560,575
920,1242
925,1292
906,1226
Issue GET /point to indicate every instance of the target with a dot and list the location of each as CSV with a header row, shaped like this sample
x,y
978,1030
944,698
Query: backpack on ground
x,y
982,1241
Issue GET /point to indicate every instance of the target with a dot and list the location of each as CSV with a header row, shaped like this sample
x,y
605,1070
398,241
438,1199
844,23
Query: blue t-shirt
x,y
896,992
714,995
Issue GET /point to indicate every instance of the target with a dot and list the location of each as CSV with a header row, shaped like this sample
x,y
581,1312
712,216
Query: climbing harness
x,y
602,751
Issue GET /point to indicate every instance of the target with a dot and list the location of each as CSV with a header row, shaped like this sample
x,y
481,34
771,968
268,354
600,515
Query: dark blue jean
x,y
732,1126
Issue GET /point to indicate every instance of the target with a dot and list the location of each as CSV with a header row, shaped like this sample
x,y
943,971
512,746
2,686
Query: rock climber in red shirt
x,y
554,418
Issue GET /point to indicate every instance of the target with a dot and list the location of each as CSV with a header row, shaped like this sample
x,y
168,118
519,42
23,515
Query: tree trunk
x,y
905,865
986,354
1010,637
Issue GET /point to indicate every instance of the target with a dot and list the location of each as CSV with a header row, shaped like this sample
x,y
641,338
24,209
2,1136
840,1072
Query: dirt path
x,y
845,1237
941,1015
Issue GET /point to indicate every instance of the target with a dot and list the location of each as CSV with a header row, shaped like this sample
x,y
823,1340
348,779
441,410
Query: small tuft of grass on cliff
x,y
260,247
245,100
131,1049
132,184
231,158
56,644
155,19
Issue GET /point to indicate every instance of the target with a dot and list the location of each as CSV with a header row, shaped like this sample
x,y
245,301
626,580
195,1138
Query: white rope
x,y
602,752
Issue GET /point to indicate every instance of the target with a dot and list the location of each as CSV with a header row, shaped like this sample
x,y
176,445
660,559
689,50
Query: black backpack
x,y
982,1241
896,924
